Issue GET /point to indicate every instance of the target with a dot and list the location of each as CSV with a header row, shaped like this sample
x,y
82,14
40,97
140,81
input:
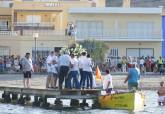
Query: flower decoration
x,y
75,49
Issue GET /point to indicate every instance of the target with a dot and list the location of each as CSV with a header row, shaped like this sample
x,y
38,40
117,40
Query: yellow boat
x,y
134,101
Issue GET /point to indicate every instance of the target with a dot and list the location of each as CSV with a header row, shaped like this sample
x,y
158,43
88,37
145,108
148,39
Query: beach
x,y
148,82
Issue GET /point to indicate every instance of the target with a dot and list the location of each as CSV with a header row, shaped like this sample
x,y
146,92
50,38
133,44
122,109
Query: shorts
x,y
133,86
161,99
27,74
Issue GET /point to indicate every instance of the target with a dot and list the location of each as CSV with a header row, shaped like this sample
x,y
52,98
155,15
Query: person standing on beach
x,y
133,77
160,63
142,69
49,60
124,64
27,68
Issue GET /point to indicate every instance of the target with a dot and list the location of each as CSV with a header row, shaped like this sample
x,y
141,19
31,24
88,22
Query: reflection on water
x,y
151,108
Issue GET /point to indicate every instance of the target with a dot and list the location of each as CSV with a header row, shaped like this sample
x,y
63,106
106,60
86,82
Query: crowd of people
x,y
67,70
13,64
146,64
8,63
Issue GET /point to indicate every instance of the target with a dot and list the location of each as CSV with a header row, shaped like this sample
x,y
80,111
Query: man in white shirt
x,y
73,73
107,82
87,72
49,60
81,60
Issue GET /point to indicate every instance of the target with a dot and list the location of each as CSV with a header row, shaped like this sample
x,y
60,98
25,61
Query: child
x,y
161,93
107,82
54,74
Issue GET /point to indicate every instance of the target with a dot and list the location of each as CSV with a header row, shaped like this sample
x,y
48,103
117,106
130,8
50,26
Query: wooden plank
x,y
41,92
77,97
70,92
11,89
80,92
54,93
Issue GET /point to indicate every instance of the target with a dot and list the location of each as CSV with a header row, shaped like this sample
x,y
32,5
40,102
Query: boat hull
x,y
123,101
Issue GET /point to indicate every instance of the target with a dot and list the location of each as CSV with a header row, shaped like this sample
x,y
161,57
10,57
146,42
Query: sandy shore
x,y
38,81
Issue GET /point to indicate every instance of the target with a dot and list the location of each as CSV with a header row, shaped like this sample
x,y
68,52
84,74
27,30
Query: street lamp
x,y
35,36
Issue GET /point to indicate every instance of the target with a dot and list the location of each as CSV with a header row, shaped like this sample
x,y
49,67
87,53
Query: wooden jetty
x,y
23,95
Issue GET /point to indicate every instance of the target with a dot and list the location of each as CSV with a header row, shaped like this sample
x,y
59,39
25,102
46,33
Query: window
x,y
113,56
4,25
139,52
140,29
133,52
114,52
41,52
4,51
33,19
91,29
146,52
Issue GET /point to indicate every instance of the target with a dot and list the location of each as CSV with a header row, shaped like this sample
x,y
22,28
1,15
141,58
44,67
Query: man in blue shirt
x,y
133,77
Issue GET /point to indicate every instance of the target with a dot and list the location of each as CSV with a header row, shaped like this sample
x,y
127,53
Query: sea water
x,y
150,108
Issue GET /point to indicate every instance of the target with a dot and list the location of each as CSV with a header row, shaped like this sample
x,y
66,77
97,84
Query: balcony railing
x,y
31,32
50,0
9,33
118,34
43,32
34,26
43,24
108,35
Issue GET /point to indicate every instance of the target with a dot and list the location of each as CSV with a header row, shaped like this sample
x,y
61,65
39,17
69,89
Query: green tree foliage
x,y
96,49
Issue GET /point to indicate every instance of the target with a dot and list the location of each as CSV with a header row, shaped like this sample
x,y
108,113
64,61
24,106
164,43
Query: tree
x,y
96,49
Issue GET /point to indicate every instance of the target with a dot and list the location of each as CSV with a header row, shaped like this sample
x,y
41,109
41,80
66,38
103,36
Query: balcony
x,y
31,26
6,3
120,35
43,33
50,0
